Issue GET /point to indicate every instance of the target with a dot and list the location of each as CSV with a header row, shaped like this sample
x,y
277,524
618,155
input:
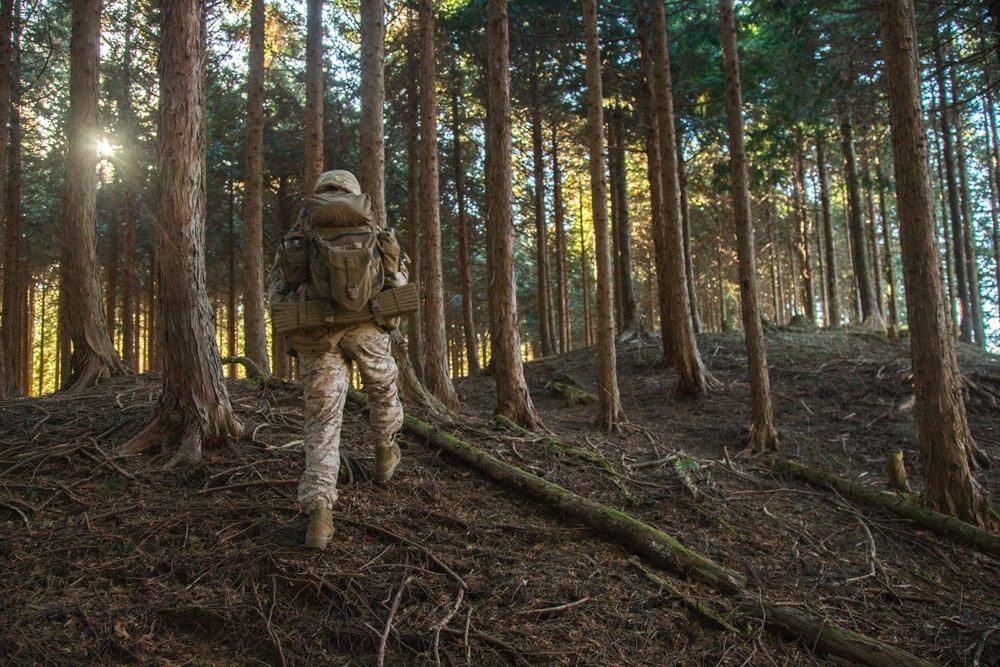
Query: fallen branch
x,y
573,395
981,540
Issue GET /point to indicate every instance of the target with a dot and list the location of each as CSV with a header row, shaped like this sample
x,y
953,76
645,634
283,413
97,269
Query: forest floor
x,y
115,561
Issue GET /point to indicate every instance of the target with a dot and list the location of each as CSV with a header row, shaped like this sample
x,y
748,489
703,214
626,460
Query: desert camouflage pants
x,y
324,366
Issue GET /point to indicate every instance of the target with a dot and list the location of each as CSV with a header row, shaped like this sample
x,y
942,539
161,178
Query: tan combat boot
x,y
387,457
320,529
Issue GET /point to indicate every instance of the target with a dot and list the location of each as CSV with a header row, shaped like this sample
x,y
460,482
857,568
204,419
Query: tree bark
x,y
436,376
692,286
833,316
414,323
655,174
513,400
890,272
465,261
6,62
871,232
559,213
609,410
692,377
129,310
546,337
968,233
762,434
802,237
94,355
954,207
254,334
313,121
194,406
870,316
631,326
944,436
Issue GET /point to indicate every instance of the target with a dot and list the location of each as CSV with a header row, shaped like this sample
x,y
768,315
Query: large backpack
x,y
335,252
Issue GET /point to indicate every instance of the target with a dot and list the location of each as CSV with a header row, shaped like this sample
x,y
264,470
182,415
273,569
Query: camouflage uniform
x,y
325,357
324,367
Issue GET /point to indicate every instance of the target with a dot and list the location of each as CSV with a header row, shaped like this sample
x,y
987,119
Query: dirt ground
x,y
116,561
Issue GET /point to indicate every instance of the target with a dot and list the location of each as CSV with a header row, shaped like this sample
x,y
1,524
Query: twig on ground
x,y
388,621
568,605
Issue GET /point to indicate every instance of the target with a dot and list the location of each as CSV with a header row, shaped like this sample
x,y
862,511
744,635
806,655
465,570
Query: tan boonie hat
x,y
338,179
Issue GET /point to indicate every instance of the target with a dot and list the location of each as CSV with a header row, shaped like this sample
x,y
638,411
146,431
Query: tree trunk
x,y
968,233
870,316
833,317
944,436
692,377
372,174
94,355
890,272
954,208
436,376
993,143
513,400
655,172
873,247
546,337
686,230
414,323
631,321
802,237
609,410
465,261
562,286
254,333
194,406
313,121
949,273
6,63
584,276
762,435
111,274
231,296
129,310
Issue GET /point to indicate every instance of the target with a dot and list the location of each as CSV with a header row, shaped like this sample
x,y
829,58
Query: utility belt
x,y
304,314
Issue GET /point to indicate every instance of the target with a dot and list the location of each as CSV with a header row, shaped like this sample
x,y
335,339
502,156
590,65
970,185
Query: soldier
x,y
325,356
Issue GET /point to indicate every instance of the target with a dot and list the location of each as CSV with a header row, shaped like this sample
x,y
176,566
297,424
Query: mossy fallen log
x,y
964,533
666,552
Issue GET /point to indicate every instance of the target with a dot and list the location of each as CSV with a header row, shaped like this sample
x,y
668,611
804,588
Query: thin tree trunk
x,y
584,276
546,337
654,170
254,327
194,406
414,324
832,288
949,273
513,400
609,410
872,232
993,143
945,440
954,208
94,355
314,95
372,174
231,296
890,272
6,64
631,323
42,341
559,212
802,237
111,275
436,376
870,316
465,261
686,228
692,377
968,233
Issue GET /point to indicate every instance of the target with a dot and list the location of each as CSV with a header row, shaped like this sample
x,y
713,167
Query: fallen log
x,y
664,551
964,533
573,395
